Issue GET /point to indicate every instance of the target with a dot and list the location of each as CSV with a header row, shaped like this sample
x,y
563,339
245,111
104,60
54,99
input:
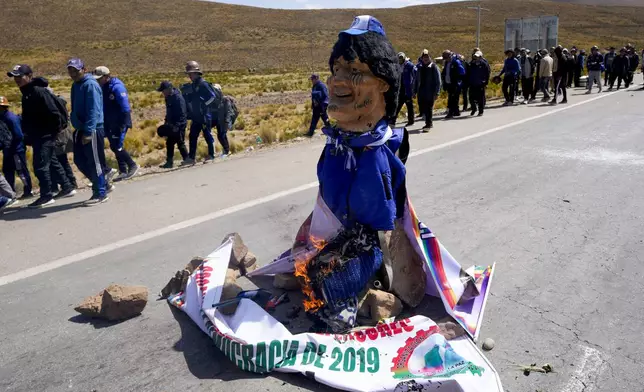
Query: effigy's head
x,y
365,76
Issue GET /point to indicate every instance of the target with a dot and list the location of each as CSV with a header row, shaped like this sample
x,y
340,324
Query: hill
x,y
621,3
160,35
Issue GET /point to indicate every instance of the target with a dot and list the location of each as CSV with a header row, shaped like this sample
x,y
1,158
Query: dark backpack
x,y
6,137
233,108
61,105
187,92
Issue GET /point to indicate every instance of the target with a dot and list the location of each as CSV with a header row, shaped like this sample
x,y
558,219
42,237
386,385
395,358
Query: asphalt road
x,y
551,194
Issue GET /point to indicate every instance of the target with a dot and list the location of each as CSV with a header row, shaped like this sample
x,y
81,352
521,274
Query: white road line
x,y
7,279
586,373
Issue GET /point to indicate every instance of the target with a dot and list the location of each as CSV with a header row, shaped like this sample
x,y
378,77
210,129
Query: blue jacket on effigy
x,y
361,179
116,107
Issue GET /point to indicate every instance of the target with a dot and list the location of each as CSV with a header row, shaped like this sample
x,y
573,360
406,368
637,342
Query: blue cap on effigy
x,y
363,24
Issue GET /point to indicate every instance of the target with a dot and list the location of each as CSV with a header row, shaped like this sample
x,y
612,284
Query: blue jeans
x,y
16,162
88,161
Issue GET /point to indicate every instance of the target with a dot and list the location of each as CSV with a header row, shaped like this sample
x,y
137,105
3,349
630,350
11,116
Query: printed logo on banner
x,y
429,355
202,277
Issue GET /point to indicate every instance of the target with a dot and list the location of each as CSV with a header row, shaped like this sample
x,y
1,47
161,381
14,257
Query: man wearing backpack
x,y
14,151
42,120
118,120
87,119
200,101
224,120
174,126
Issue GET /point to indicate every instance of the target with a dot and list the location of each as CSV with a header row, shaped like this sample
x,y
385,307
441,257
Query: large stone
x,y
379,304
180,280
248,264
239,250
450,330
286,282
117,302
123,302
408,280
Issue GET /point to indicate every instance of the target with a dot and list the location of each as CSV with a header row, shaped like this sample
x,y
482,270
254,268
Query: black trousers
x,y
319,112
607,77
527,85
16,163
536,87
577,77
619,77
477,98
465,90
509,87
409,103
178,139
570,78
560,85
45,161
58,182
426,108
453,95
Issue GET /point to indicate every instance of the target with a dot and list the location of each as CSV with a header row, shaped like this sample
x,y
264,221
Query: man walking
x,y
579,67
87,119
573,66
478,78
203,102
319,103
174,126
545,74
537,79
427,87
620,70
452,75
511,70
559,73
42,120
608,64
118,120
594,64
527,75
14,159
406,92
633,63
224,121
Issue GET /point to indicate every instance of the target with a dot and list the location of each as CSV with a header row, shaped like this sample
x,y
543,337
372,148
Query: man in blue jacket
x,y
594,64
319,103
479,76
118,119
87,120
14,159
174,126
511,70
407,83
204,102
453,75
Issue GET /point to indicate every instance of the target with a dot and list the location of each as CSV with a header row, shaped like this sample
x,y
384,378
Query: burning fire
x,y
301,270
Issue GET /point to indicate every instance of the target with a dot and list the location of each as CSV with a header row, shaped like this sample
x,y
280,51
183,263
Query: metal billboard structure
x,y
532,33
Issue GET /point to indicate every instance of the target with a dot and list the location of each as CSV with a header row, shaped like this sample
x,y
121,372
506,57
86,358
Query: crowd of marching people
x,y
100,109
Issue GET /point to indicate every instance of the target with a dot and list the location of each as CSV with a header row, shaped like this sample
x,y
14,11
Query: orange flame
x,y
311,303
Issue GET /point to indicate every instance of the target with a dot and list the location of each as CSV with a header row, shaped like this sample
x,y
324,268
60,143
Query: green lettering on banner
x,y
226,347
318,360
349,363
260,357
247,358
274,350
290,357
309,353
373,359
217,340
361,360
236,354
336,355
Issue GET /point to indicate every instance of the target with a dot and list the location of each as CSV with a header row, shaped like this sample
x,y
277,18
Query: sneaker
x,y
480,114
167,165
208,160
120,177
7,203
26,196
564,101
409,124
188,162
132,172
96,200
65,193
225,155
42,202
588,92
110,174
109,188
473,112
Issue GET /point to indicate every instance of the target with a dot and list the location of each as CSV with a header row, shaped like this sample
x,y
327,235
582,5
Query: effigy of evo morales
x,y
361,263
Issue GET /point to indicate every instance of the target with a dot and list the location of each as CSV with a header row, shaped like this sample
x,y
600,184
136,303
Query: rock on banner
x,y
404,355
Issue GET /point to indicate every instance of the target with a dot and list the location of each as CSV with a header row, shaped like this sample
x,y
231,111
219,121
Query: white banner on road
x,y
397,356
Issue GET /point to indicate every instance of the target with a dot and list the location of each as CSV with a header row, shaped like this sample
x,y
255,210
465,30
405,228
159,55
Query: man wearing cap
x,y
452,75
87,119
117,119
608,64
42,121
224,120
527,75
406,92
479,76
319,103
427,87
203,99
545,73
594,64
174,126
511,70
14,159
633,62
620,70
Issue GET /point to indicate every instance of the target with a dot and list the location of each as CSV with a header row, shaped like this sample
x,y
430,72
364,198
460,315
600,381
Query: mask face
x,y
356,96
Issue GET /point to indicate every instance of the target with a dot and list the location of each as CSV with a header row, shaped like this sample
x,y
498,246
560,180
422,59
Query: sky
x,y
321,4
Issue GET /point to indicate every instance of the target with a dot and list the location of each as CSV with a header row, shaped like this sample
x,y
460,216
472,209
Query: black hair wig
x,y
376,51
